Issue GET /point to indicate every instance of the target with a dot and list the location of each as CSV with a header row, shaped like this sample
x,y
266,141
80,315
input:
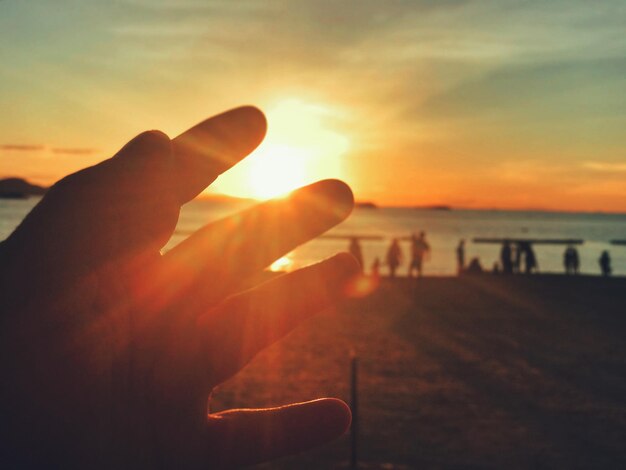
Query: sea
x,y
444,229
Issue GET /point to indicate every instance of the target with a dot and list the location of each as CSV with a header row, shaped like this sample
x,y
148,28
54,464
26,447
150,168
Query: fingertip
x,y
341,194
331,199
214,145
244,437
344,264
154,136
338,416
256,118
147,143
250,126
338,272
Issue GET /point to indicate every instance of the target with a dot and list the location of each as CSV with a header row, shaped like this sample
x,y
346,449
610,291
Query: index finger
x,y
211,147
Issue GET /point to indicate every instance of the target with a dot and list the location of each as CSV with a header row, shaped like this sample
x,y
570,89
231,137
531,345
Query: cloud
x,y
73,151
609,167
376,33
21,147
43,148
532,70
537,91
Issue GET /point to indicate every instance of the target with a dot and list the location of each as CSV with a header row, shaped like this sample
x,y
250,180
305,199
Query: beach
x,y
461,372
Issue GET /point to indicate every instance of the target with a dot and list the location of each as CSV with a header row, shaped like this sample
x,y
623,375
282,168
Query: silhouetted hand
x,y
109,350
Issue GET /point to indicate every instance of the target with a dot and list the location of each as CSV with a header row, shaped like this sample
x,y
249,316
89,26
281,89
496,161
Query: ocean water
x,y
443,230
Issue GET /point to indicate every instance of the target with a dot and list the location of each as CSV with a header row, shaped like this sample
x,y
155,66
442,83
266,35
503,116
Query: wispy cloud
x,y
21,147
609,167
73,151
46,149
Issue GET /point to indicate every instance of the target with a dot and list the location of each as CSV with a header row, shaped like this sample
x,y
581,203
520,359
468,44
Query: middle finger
x,y
217,259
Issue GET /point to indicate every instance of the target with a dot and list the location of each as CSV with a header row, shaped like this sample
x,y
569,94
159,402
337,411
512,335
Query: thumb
x,y
249,436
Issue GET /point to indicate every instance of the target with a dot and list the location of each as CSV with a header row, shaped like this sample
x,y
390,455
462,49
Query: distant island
x,y
18,188
436,207
365,205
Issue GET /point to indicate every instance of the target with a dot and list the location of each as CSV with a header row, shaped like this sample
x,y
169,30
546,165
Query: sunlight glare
x,y
281,264
362,286
300,148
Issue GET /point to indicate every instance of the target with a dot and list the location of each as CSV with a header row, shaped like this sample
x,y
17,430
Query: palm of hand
x,y
117,347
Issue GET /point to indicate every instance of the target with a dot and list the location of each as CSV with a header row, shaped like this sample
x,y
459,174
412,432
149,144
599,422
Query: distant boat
x,y
366,205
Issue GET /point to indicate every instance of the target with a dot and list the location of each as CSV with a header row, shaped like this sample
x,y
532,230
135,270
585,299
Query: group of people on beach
x,y
514,258
571,261
517,258
419,247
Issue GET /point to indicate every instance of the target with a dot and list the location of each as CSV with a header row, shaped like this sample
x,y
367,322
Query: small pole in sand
x,y
354,405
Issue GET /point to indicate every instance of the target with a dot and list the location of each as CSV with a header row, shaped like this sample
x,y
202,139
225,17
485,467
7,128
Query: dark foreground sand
x,y
475,372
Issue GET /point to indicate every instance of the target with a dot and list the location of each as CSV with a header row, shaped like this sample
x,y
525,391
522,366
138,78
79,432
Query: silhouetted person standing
x,y
460,256
506,258
571,260
605,263
355,250
530,260
394,257
567,260
419,249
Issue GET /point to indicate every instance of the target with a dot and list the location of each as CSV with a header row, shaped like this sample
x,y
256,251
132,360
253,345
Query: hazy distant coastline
x,y
18,188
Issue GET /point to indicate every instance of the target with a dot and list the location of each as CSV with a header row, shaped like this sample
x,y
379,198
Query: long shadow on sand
x,y
531,369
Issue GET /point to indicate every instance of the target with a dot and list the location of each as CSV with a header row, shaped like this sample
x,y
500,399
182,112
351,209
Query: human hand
x,y
109,350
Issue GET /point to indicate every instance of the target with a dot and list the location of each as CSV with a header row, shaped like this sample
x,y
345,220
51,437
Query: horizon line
x,y
426,207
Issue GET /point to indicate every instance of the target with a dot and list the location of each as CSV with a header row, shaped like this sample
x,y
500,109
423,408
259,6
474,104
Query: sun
x,y
275,170
300,147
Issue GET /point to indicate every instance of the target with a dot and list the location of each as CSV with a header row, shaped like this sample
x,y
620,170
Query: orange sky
x,y
472,104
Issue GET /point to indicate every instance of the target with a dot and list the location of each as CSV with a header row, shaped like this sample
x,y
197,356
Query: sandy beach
x,y
472,372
